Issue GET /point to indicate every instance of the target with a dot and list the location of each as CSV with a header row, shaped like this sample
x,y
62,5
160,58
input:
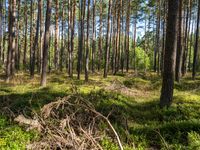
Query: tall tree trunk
x,y
62,42
127,35
25,36
35,45
87,43
56,54
41,35
157,48
179,54
134,42
163,38
13,37
117,49
46,44
73,15
1,29
114,33
4,34
107,41
69,36
196,46
187,32
93,35
81,38
11,45
17,39
31,35
191,45
100,36
170,53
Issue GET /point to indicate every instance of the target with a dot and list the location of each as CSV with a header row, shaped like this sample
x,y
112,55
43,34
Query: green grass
x,y
138,119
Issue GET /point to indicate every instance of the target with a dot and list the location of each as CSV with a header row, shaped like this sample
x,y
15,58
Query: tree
x,y
35,45
56,55
40,11
32,52
11,45
87,43
179,54
196,44
100,35
170,53
46,43
25,36
62,40
107,41
81,35
157,48
127,36
1,27
93,35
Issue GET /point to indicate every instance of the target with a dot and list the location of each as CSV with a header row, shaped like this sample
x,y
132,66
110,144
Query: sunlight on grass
x,y
138,119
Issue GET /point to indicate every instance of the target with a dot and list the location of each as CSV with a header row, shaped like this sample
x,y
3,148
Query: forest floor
x,y
133,100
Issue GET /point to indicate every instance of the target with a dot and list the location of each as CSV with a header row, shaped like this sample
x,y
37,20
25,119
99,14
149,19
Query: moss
x,y
137,119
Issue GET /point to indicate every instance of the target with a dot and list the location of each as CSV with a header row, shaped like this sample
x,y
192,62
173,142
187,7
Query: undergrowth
x,y
138,119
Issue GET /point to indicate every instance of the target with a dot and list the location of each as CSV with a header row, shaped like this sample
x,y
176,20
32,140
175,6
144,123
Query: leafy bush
x,y
194,141
12,137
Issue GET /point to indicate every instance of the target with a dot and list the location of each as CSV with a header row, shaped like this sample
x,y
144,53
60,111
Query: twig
x,y
112,128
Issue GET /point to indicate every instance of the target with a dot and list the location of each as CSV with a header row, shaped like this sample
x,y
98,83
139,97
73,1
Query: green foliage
x,y
142,59
12,137
194,140
138,119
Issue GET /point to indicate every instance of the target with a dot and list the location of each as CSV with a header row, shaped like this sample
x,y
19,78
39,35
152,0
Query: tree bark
x,y
46,43
93,36
35,45
56,49
107,42
179,54
170,53
87,43
196,46
81,37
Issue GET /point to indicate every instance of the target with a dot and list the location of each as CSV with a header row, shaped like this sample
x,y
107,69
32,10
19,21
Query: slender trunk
x,y
179,54
107,41
81,38
117,49
191,44
11,45
196,46
62,42
93,36
187,32
134,42
87,43
127,36
25,36
17,39
100,36
157,48
35,45
31,35
1,28
73,15
46,43
56,49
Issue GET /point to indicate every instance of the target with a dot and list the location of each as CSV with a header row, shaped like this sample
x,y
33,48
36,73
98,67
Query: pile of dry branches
x,y
119,87
69,123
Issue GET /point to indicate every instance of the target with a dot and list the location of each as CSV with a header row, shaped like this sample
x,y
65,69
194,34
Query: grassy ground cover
x,y
135,115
